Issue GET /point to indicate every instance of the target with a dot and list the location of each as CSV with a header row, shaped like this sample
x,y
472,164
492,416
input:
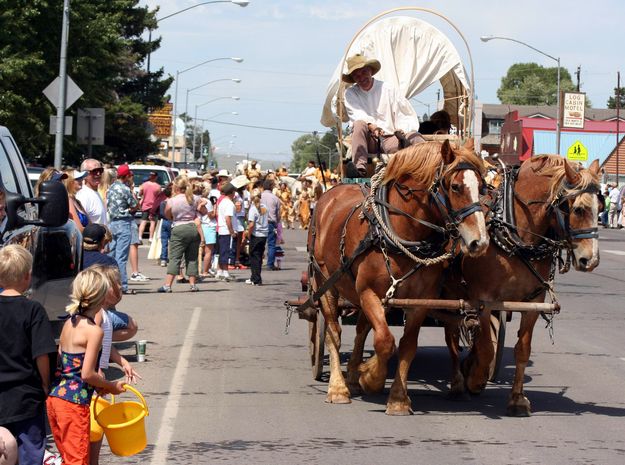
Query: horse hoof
x,y
398,409
338,396
519,407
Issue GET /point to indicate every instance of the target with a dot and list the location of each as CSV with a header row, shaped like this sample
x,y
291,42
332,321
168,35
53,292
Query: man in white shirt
x,y
614,206
226,232
378,113
88,196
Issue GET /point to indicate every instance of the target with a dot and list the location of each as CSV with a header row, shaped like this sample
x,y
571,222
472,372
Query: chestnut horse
x,y
555,209
432,194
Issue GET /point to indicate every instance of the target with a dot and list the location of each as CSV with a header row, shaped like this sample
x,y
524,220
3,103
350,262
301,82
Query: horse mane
x,y
553,166
422,162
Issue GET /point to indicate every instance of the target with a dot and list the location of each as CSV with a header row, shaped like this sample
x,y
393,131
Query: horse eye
x,y
579,211
455,188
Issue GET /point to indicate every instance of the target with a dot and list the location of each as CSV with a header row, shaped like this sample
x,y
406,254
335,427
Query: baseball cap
x,y
153,173
93,233
58,176
123,170
78,175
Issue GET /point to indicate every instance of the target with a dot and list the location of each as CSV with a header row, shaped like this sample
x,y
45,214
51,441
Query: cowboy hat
x,y
223,173
359,61
240,181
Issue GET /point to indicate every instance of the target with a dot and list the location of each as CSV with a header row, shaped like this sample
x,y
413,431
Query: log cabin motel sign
x,y
573,105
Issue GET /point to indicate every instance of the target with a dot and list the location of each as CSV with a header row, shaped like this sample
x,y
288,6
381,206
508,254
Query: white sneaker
x,y
138,277
226,277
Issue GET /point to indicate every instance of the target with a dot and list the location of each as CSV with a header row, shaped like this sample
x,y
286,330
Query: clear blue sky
x,y
291,48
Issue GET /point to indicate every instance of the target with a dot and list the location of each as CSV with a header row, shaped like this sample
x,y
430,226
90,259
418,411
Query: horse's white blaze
x,y
594,259
473,186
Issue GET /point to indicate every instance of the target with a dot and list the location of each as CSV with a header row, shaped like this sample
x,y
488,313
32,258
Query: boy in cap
x,y
381,117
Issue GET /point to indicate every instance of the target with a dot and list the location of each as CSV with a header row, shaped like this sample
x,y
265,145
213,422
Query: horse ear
x,y
447,153
470,144
594,167
572,176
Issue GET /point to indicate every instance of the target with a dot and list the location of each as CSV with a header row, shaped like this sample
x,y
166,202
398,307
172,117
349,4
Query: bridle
x,y
437,192
561,209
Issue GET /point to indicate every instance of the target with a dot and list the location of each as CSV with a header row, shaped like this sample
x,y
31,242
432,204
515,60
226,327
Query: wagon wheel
x,y
316,344
498,339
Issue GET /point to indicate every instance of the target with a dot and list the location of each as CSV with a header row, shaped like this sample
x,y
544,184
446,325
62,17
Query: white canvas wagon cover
x,y
413,54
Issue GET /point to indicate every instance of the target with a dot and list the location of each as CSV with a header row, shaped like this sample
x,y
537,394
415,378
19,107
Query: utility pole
x,y
578,72
618,107
60,108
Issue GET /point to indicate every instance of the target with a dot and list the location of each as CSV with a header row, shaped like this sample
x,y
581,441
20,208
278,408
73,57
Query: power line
x,y
261,127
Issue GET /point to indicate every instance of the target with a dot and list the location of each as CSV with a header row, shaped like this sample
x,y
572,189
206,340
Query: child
x,y
110,319
25,342
73,386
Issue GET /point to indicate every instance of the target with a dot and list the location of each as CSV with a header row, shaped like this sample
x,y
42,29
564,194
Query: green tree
x,y
532,84
304,149
612,100
105,58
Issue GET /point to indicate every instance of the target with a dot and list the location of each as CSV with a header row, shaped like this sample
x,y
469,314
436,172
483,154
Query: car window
x,y
6,167
142,175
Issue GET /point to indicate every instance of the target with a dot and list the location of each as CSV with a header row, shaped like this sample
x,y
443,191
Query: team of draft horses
x,y
431,227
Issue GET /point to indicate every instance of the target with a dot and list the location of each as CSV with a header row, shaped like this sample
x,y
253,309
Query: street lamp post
x,y
329,149
241,3
557,60
178,73
195,117
186,104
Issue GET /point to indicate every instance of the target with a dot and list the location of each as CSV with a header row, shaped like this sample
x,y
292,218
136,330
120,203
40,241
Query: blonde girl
x,y
77,376
107,319
73,183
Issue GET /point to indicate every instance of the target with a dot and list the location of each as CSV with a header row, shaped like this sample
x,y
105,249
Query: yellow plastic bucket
x,y
97,403
124,425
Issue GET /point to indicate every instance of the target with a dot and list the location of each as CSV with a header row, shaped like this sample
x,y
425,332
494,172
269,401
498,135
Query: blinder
x,y
560,207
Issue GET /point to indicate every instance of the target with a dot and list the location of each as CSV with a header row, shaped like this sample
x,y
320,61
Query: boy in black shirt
x,y
25,342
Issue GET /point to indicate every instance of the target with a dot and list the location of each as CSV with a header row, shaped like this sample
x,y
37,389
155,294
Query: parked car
x,y
141,173
42,226
33,174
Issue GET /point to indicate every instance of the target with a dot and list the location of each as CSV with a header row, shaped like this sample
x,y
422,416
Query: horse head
x,y
581,199
462,182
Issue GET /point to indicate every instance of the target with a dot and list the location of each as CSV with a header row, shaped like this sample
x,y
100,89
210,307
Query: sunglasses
x,y
96,172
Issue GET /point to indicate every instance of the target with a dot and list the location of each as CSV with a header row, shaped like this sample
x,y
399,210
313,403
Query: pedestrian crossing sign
x,y
577,152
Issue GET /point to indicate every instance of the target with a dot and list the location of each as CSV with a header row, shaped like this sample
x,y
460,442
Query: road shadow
x,y
428,389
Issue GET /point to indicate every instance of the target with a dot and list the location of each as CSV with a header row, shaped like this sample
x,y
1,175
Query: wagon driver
x,y
376,110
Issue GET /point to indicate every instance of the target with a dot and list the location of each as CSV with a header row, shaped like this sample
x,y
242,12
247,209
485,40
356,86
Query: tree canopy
x,y
105,57
532,84
305,148
612,100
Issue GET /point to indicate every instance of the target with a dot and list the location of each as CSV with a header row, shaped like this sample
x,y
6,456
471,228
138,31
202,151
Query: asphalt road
x,y
224,384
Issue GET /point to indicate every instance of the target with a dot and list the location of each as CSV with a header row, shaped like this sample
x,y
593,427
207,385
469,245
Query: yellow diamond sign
x,y
577,152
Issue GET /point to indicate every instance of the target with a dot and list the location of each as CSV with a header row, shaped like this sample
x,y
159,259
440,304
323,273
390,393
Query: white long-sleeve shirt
x,y
382,105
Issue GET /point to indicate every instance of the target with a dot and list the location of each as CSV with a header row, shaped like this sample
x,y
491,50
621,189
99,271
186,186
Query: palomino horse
x,y
555,208
432,193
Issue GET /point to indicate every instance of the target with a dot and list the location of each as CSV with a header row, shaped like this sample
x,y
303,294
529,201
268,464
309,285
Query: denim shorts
x,y
210,234
119,320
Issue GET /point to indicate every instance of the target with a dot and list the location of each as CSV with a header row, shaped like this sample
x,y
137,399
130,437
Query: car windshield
x,y
141,175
